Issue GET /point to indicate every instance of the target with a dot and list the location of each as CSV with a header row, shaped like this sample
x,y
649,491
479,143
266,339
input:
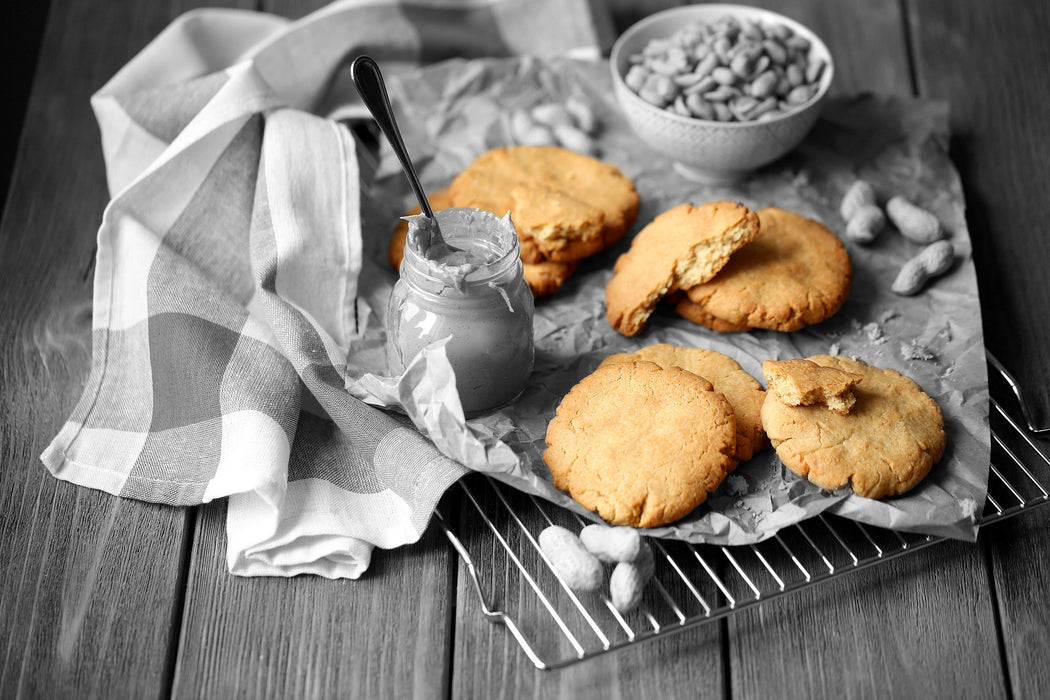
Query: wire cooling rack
x,y
496,529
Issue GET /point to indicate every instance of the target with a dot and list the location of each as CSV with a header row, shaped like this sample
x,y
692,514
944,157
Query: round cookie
x,y
543,278
742,391
565,205
641,444
884,446
794,273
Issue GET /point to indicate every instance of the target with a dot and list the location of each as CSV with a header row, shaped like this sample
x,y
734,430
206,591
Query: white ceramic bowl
x,y
713,151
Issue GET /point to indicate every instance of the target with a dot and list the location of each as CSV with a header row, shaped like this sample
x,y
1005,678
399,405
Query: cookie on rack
x,y
641,444
805,383
543,278
794,273
883,447
565,205
742,391
682,247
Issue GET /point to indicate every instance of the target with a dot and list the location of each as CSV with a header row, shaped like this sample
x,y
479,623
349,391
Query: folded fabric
x,y
226,280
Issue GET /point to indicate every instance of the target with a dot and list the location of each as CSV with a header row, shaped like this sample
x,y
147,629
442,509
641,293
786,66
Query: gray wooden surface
x,y
101,597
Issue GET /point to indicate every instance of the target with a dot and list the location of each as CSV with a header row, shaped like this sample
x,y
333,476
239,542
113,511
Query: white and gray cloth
x,y
225,290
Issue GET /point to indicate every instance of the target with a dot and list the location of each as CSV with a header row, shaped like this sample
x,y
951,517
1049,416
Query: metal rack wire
x,y
495,539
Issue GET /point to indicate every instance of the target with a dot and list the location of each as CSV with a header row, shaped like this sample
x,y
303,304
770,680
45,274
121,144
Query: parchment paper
x,y
453,111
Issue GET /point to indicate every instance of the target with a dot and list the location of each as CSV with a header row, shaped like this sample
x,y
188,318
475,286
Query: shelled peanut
x,y
733,69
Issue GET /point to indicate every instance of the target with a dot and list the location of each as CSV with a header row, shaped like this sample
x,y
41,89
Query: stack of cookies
x,y
730,269
564,205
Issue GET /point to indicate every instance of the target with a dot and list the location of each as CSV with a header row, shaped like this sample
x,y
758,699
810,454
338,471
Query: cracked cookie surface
x,y
884,446
742,391
794,273
565,205
682,247
641,444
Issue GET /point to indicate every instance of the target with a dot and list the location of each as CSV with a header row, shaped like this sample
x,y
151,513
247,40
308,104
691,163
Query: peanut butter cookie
x,y
794,273
555,197
681,248
884,446
744,394
641,444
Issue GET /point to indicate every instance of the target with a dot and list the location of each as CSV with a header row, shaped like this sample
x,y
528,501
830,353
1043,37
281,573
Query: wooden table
x,y
116,598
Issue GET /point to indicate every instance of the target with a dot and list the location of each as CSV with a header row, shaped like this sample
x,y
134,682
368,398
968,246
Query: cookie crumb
x,y
914,350
874,333
736,485
835,349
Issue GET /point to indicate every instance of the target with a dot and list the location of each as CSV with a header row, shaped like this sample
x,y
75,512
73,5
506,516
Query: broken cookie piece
x,y
805,383
681,248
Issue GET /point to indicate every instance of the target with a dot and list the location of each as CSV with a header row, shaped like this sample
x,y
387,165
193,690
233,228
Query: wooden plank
x,y
91,584
922,625
782,647
919,626
21,30
980,57
383,635
489,663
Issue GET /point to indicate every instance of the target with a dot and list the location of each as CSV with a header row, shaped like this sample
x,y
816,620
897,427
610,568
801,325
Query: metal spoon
x,y
368,80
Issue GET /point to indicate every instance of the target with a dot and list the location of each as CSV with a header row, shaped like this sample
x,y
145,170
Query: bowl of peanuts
x,y
720,89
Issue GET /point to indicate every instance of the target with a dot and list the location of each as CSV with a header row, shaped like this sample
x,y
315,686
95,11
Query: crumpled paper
x,y
453,111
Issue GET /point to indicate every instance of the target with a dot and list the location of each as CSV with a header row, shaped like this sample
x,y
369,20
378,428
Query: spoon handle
x,y
364,71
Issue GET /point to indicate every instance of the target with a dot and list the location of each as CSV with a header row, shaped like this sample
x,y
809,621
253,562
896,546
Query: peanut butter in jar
x,y
475,296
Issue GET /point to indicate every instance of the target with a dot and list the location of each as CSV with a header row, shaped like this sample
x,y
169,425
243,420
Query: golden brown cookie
x,y
744,394
556,221
548,276
523,179
795,272
682,247
805,383
883,447
543,278
641,444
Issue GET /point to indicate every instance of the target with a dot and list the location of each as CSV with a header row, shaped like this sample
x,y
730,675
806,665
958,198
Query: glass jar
x,y
477,299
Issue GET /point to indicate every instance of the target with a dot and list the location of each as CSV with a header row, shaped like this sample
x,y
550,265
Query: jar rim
x,y
477,230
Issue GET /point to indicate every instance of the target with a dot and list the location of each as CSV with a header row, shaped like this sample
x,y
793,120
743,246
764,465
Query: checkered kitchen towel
x,y
225,294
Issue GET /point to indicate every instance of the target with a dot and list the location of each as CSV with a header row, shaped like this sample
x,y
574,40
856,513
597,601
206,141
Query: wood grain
x,y
384,635
922,625
919,626
91,585
999,123
91,588
487,661
977,56
21,29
